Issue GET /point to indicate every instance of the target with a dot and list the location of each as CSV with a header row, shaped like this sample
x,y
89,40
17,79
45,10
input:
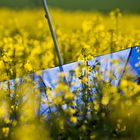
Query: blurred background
x,y
95,5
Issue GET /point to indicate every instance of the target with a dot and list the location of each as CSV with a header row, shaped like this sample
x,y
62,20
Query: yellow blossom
x,y
73,119
5,131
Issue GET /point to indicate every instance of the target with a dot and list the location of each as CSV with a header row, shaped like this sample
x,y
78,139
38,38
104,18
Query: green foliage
x,y
104,6
96,5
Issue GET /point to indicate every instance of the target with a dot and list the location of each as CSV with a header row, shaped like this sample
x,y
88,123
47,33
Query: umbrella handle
x,y
52,32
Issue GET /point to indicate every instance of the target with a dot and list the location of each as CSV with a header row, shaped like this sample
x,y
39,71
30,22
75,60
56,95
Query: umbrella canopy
x,y
117,63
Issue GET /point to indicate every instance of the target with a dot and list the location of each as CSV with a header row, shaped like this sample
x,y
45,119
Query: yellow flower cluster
x,y
26,45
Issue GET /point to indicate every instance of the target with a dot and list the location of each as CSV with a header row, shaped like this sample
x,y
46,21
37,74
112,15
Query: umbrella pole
x,y
54,38
52,32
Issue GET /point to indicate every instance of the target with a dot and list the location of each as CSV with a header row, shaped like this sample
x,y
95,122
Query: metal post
x,y
52,32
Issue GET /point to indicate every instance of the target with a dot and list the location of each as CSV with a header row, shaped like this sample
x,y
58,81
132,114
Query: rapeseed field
x,y
26,47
